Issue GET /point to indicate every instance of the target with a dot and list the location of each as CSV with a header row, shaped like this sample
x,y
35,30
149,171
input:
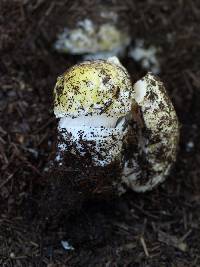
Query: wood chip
x,y
172,240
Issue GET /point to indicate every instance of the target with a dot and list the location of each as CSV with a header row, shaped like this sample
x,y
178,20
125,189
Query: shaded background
x,y
159,228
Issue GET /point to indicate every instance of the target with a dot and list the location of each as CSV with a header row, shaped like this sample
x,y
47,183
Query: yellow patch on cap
x,y
93,88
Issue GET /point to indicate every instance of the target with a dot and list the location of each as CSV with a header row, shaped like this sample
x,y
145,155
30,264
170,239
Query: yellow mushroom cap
x,y
93,88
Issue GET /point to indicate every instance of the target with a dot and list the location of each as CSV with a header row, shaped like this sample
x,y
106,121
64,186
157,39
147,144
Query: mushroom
x,y
104,118
93,39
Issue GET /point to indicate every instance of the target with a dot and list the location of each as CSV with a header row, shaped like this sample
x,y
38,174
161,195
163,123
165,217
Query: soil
x,y
158,228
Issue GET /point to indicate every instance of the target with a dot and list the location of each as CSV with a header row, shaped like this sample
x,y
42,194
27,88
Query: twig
x,y
144,246
7,180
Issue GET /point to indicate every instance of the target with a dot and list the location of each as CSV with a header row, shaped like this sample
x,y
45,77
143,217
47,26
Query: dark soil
x,y
159,228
